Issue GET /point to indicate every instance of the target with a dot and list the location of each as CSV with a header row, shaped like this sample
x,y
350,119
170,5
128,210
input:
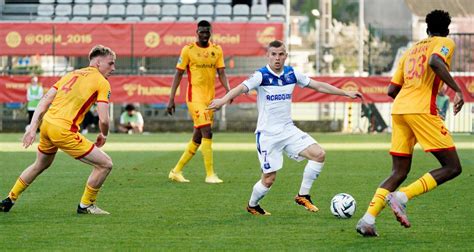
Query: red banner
x,y
127,39
156,89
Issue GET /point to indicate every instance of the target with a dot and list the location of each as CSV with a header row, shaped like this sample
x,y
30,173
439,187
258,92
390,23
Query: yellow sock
x,y
17,189
378,202
206,150
423,185
89,196
189,152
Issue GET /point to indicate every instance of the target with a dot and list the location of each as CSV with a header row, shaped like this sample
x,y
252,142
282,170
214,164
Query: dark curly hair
x,y
204,23
438,22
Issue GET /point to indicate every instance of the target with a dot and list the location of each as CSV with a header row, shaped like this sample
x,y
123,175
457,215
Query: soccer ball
x,y
343,205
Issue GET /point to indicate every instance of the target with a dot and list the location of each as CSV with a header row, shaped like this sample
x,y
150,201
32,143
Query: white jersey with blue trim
x,y
274,95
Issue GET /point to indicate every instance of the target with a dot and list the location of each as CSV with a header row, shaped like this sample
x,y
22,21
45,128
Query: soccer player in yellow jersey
x,y
60,112
200,60
421,73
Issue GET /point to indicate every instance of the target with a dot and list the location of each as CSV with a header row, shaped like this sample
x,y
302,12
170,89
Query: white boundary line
x,y
17,147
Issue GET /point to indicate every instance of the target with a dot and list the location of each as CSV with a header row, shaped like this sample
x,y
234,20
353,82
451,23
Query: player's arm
x,y
439,67
218,103
103,112
393,90
327,88
223,79
43,106
176,81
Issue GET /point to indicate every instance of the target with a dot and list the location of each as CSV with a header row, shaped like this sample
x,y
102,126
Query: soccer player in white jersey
x,y
276,131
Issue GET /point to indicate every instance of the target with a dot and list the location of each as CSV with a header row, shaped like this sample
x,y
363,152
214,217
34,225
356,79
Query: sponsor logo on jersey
x,y
279,97
205,65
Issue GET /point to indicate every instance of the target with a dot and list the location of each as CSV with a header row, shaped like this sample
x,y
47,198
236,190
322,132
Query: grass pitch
x,y
151,213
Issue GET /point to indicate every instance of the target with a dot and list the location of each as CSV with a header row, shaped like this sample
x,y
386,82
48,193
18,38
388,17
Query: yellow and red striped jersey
x,y
201,64
419,83
76,92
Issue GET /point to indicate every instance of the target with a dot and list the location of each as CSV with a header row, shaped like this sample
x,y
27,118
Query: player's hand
x,y
100,141
216,104
29,138
354,94
458,102
171,108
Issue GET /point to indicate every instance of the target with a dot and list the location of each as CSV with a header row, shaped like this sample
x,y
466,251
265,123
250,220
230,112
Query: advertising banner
x,y
132,39
156,89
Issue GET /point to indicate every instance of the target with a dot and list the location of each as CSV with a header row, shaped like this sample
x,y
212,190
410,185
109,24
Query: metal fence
x,y
463,59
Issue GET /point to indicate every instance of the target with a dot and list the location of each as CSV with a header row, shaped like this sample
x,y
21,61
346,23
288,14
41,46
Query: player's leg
x,y
401,168
176,173
433,137
450,166
207,154
270,155
42,162
191,148
315,155
102,164
299,146
203,122
401,165
403,141
260,189
81,148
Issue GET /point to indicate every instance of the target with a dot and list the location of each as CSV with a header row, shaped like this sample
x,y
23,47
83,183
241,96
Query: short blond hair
x,y
100,50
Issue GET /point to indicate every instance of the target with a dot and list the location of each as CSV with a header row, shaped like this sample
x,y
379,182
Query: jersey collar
x,y
208,45
271,71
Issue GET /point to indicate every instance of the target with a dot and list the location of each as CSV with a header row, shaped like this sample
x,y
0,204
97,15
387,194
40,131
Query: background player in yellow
x,y
200,60
59,112
420,74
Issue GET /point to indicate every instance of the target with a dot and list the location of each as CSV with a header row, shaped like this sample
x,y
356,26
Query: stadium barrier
x,y
311,110
156,89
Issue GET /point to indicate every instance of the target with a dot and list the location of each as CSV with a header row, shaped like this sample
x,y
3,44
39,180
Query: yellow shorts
x,y
53,137
201,115
426,129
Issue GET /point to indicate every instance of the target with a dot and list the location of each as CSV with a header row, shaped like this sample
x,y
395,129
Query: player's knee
x,y
318,156
268,180
107,165
456,170
399,176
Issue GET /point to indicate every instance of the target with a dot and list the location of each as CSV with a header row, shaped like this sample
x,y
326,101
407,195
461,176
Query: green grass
x,y
151,213
247,137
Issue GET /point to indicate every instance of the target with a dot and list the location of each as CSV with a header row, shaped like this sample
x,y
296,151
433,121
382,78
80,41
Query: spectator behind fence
x,y
131,121
33,96
90,119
